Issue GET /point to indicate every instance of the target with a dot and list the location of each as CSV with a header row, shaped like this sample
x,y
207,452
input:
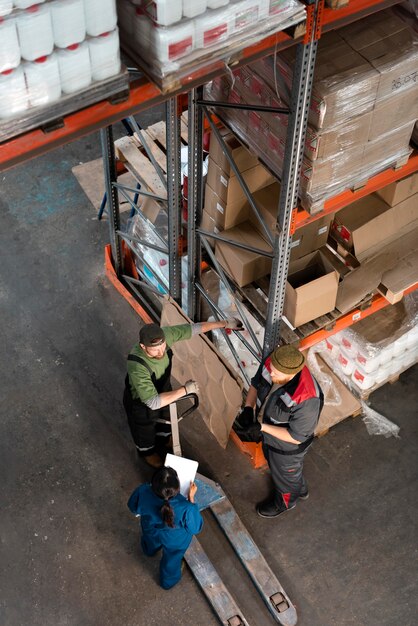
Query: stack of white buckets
x,y
369,365
169,30
56,47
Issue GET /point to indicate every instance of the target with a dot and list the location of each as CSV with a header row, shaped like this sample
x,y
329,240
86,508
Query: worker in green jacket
x,y
148,390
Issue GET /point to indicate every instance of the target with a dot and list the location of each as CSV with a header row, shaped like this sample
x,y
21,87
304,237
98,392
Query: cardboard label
x,y
295,243
224,181
220,208
322,230
356,316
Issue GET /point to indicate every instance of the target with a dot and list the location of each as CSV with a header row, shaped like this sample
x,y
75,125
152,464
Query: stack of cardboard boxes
x,y
312,285
363,109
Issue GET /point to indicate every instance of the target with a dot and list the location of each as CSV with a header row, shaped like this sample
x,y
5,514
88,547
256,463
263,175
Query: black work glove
x,y
245,418
251,433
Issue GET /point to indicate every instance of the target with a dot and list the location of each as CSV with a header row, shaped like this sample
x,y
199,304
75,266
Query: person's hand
x,y
191,387
246,417
192,491
233,323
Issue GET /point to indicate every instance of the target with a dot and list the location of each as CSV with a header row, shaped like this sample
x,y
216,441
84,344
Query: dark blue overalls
x,y
156,535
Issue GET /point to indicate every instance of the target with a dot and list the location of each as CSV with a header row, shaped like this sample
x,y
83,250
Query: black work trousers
x,y
148,432
287,474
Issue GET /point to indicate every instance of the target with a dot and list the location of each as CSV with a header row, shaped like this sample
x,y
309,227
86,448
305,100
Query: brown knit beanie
x,y
287,359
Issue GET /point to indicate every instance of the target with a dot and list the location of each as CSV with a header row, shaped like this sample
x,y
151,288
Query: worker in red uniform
x,y
283,403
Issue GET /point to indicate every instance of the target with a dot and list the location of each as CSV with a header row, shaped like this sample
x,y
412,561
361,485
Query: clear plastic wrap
x,y
331,395
377,348
378,424
368,139
171,38
48,55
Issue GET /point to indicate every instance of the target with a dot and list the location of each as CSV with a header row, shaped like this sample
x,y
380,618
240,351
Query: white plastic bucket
x,y
104,55
247,13
412,338
332,348
193,8
34,28
382,373
400,345
386,354
362,379
13,93
9,45
68,22
349,346
345,362
217,4
75,69
213,27
43,80
6,7
100,16
164,12
369,363
170,44
24,4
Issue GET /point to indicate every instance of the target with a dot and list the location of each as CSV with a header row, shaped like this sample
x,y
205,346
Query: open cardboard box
x,y
311,288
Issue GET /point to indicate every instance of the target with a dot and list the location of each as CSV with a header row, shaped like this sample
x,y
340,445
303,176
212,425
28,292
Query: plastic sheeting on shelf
x,y
353,133
173,37
45,52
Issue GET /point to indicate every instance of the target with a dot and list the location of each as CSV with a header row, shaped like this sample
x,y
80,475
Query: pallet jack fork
x,y
211,496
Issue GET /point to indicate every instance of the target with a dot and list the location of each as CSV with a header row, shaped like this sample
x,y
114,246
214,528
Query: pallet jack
x,y
211,496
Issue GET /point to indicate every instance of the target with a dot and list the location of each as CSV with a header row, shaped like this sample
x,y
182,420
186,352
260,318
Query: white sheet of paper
x,y
186,470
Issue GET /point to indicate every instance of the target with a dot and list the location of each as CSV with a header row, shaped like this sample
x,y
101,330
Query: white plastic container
x,y
382,374
43,80
193,8
412,338
24,4
13,94
34,29
246,13
217,4
400,345
100,16
6,7
213,27
68,22
332,348
164,12
386,354
104,55
362,379
126,17
349,345
369,363
345,362
170,44
74,66
9,45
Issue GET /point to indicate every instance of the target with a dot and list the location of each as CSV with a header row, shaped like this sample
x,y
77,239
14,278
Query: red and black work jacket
x,y
295,405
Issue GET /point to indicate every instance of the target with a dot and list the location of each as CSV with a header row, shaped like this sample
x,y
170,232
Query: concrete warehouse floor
x,y
69,546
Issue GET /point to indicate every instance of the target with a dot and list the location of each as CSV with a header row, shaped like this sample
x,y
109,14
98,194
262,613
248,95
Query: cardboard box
x,y
208,223
242,265
311,289
370,224
395,281
394,111
386,42
228,188
320,177
387,150
306,239
225,216
326,143
400,190
243,158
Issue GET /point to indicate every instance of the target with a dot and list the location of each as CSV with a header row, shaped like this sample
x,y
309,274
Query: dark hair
x,y
165,484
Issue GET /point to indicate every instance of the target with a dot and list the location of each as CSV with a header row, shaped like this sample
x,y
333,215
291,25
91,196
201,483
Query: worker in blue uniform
x,y
168,521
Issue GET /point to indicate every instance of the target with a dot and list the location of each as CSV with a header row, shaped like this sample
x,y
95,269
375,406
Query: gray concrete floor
x,y
69,546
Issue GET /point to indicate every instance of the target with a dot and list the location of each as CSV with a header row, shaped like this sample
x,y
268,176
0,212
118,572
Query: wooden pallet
x,y
132,153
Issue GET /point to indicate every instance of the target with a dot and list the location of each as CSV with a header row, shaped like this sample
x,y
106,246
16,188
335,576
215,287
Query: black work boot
x,y
273,507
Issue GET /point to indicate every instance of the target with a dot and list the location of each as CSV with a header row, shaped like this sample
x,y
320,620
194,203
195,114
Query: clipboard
x,y
186,470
